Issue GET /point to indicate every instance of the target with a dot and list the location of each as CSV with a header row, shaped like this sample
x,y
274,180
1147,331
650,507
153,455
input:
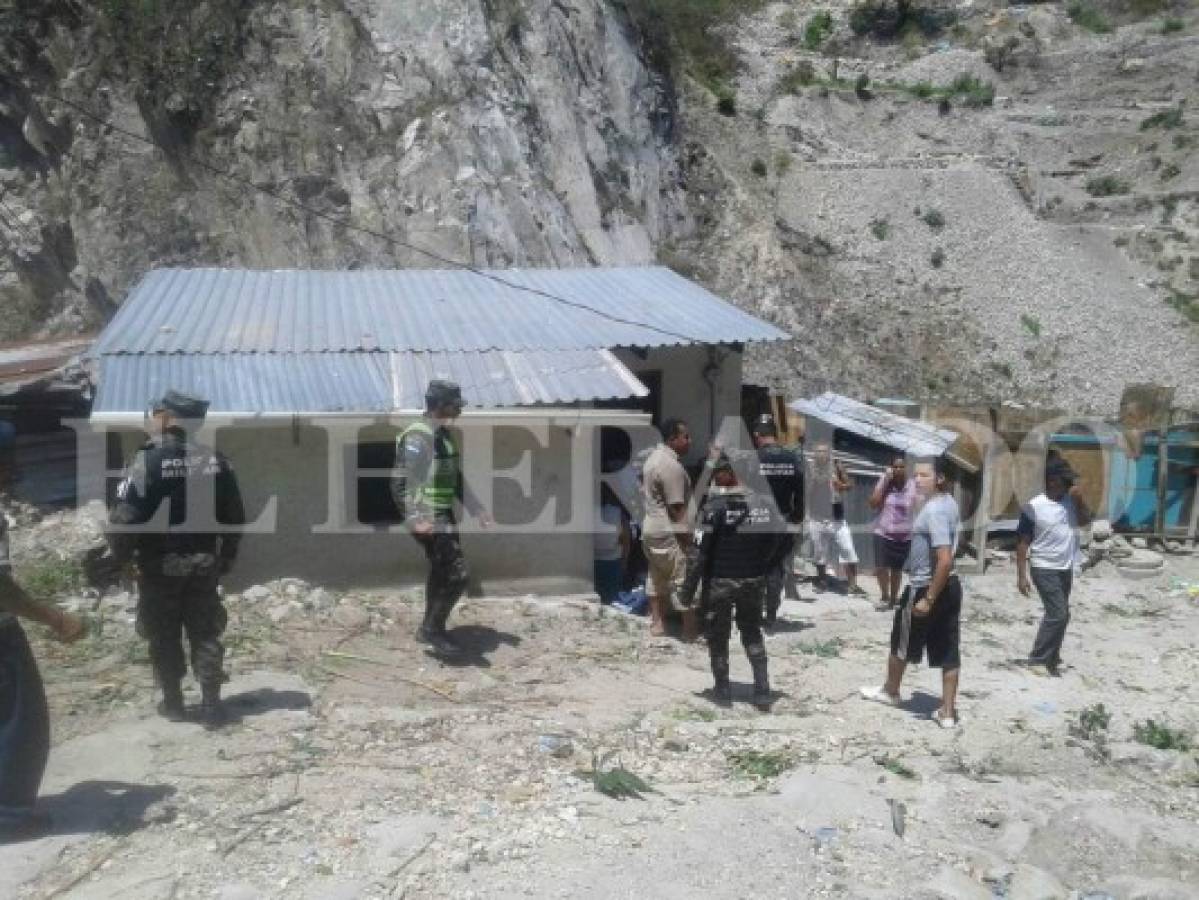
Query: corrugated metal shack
x,y
42,384
566,349
866,439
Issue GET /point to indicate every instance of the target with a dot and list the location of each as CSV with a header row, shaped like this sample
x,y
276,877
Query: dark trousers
x,y
779,577
24,722
448,575
726,599
1053,585
168,606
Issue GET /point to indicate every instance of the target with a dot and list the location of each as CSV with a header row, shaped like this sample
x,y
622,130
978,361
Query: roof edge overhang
x,y
560,416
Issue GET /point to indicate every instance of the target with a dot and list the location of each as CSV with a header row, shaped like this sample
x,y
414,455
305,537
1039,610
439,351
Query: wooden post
x,y
982,514
1163,476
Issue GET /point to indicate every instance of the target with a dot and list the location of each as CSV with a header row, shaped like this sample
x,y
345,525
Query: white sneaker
x,y
879,695
946,721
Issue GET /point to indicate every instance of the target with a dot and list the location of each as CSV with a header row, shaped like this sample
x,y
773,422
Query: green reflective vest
x,y
439,489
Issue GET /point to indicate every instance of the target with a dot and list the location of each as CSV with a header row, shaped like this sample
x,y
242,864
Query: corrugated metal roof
x,y
907,435
283,311
360,382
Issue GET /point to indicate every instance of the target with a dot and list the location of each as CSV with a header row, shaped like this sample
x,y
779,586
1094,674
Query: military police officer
x,y
783,470
165,522
427,486
739,534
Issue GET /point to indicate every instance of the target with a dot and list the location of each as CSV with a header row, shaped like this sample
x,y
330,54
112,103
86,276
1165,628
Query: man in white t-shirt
x,y
1048,539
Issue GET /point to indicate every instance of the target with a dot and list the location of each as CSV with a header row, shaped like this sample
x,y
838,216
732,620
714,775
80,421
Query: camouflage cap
x,y
181,405
443,393
764,425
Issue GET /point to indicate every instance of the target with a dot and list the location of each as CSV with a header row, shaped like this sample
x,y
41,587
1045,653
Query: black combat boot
x,y
761,699
212,711
432,632
722,691
171,706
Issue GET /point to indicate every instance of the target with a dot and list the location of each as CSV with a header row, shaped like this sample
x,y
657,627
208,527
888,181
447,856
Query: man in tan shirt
x,y
666,532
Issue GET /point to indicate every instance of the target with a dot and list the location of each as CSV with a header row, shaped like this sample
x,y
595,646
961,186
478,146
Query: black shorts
x,y
890,554
939,631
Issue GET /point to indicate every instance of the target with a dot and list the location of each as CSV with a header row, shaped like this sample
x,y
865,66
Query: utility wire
x,y
345,223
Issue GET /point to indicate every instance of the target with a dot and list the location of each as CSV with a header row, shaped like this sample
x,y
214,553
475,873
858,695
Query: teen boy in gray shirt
x,y
929,615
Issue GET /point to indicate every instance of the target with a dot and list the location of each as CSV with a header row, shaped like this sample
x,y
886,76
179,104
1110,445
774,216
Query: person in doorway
x,y
783,470
1048,548
832,542
178,563
929,615
666,530
427,487
739,535
24,717
893,498
612,541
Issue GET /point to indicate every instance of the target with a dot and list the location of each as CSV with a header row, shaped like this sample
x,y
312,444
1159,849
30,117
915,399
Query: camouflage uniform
x,y
739,537
179,567
783,470
427,486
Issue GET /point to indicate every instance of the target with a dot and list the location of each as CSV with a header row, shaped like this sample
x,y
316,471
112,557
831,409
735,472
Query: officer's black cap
x,y
764,425
181,405
739,462
443,393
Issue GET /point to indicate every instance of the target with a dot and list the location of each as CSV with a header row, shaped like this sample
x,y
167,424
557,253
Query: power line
x,y
345,223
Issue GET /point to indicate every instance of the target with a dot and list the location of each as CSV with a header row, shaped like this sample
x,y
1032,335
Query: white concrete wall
x,y
685,392
544,506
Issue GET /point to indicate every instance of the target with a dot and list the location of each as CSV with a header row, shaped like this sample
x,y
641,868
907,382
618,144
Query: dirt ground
x,y
357,766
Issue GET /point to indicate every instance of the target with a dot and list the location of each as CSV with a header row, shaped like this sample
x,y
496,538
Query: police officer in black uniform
x,y
172,491
427,486
739,533
783,469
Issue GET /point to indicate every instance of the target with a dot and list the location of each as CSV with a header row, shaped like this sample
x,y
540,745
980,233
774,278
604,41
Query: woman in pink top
x,y
893,498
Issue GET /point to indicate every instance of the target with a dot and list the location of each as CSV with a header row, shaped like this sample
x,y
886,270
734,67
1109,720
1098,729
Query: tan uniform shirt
x,y
664,483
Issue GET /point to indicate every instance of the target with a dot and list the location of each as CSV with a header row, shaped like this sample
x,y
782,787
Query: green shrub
x,y
1145,8
937,259
1084,15
829,649
1172,26
800,76
880,228
1170,171
887,19
758,167
1092,722
760,763
933,219
726,101
1167,118
1107,186
816,32
47,578
1031,323
861,87
689,36
1161,737
973,91
1187,304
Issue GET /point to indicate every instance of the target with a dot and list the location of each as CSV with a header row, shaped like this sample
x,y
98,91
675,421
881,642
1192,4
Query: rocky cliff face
x,y
502,133
1029,234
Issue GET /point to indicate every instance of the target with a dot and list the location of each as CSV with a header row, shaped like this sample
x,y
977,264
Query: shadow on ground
x,y
112,807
